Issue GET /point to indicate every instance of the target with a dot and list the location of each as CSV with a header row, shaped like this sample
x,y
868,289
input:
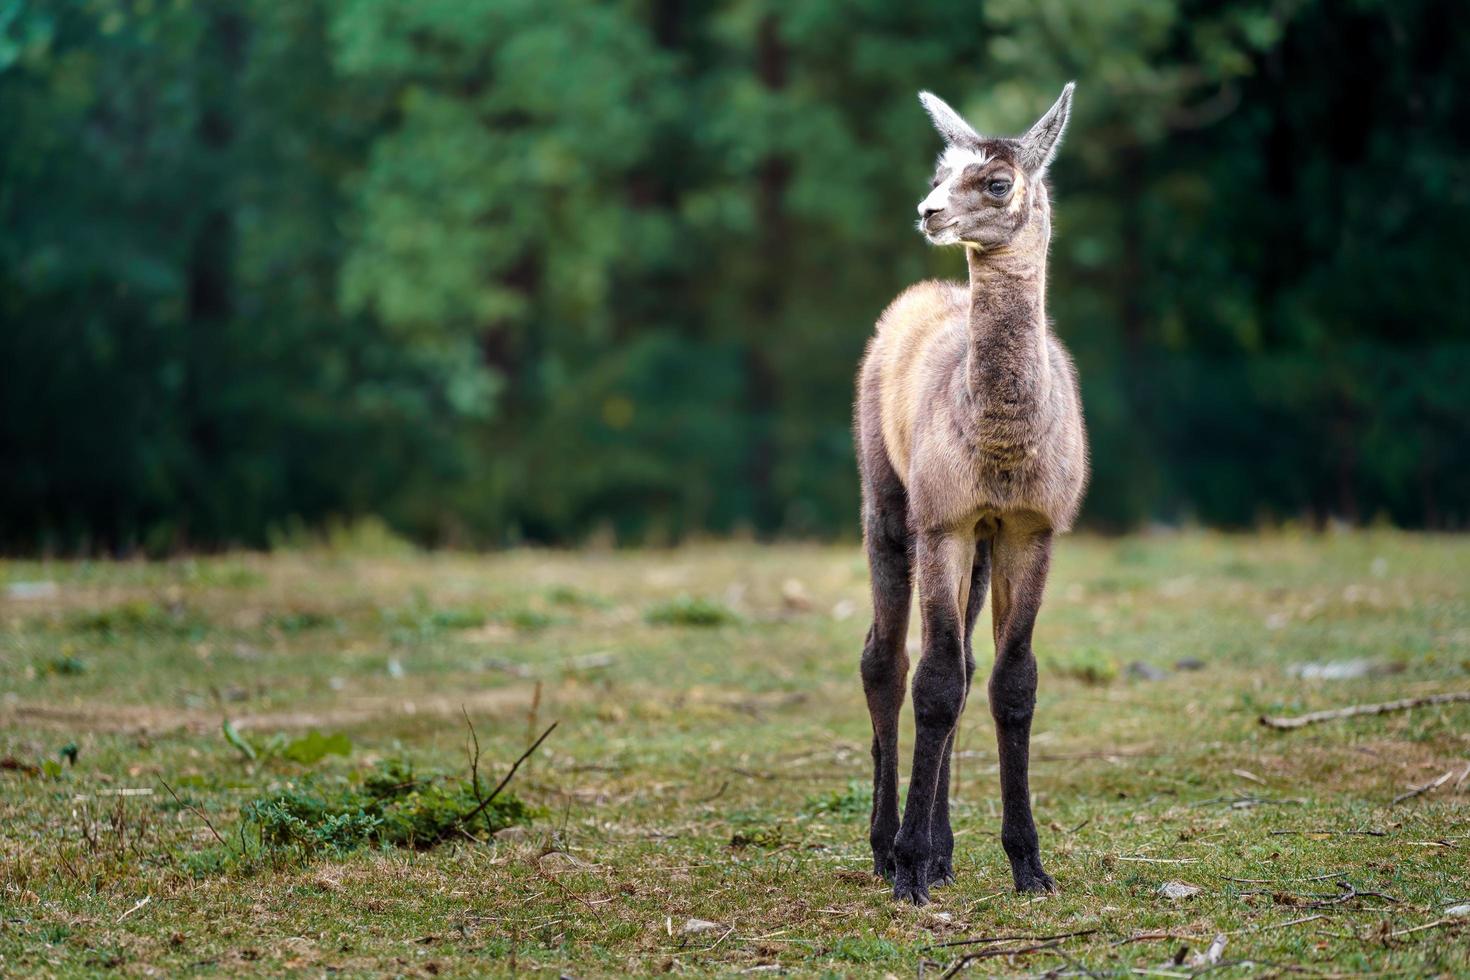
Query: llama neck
x,y
1007,359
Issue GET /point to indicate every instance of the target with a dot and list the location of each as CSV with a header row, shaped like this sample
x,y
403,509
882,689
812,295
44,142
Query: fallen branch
x,y
501,785
1428,925
1273,881
1291,922
1352,710
1007,939
985,954
1420,790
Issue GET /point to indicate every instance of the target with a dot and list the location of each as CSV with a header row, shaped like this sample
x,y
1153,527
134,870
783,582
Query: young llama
x,y
973,456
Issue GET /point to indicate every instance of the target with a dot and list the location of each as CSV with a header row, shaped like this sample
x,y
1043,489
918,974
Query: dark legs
x,y
1022,559
953,573
945,563
885,663
941,865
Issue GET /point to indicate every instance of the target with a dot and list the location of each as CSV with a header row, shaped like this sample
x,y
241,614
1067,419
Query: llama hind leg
x,y
885,662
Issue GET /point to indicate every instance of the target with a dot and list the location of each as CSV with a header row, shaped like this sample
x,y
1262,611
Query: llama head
x,y
986,191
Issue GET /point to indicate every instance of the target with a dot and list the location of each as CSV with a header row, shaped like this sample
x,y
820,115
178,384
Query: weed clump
x,y
63,666
689,611
388,806
856,800
1088,665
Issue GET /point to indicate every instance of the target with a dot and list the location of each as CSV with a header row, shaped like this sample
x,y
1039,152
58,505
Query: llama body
x,y
973,455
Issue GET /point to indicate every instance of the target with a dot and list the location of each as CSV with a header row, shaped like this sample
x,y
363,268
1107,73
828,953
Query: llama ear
x,y
1040,143
951,125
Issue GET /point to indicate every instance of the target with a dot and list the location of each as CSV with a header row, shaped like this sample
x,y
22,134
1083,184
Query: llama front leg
x,y
941,865
1021,563
944,561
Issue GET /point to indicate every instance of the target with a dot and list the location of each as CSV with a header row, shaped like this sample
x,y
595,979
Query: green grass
x,y
702,805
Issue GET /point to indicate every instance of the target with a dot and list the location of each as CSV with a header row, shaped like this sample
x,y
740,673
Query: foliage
x,y
856,800
387,806
305,750
687,610
500,270
1087,664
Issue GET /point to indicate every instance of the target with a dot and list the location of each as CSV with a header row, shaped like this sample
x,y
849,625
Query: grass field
x,y
702,805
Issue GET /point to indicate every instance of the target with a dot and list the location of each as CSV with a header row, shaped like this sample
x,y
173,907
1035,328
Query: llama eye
x,y
998,188
934,183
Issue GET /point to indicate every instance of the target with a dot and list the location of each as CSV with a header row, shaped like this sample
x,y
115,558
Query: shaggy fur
x,y
973,455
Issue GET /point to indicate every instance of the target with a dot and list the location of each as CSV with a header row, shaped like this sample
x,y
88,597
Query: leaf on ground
x,y
1177,889
234,738
312,747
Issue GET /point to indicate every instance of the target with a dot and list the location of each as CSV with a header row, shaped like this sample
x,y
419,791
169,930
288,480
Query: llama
x,y
973,456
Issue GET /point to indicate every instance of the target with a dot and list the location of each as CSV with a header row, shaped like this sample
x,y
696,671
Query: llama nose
x,y
926,211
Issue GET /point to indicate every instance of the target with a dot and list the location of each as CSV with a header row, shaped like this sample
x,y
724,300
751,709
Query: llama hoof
x,y
1035,882
884,866
909,889
941,873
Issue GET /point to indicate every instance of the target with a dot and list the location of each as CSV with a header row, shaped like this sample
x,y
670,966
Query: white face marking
x,y
954,159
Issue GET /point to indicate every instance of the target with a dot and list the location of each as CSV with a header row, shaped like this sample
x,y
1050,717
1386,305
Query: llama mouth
x,y
941,235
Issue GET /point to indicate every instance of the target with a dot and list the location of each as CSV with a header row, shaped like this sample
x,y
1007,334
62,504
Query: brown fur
x,y
972,399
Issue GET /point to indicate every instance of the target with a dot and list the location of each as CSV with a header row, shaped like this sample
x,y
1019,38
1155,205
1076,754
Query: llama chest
x,y
1009,455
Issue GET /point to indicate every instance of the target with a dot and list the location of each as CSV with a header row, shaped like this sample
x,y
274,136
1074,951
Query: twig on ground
x,y
977,940
141,902
1272,881
984,954
1430,925
1282,925
1353,710
1244,802
716,795
193,809
568,893
1420,790
514,766
1347,892
475,757
533,713
1143,937
1329,833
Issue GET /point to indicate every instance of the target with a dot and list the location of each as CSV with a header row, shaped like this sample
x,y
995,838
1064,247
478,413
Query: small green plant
x,y
306,750
765,838
63,666
139,617
1087,664
689,611
386,806
863,949
456,619
527,619
856,800
566,595
303,620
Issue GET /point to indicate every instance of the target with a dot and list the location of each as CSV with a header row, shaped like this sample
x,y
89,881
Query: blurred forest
x,y
539,270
